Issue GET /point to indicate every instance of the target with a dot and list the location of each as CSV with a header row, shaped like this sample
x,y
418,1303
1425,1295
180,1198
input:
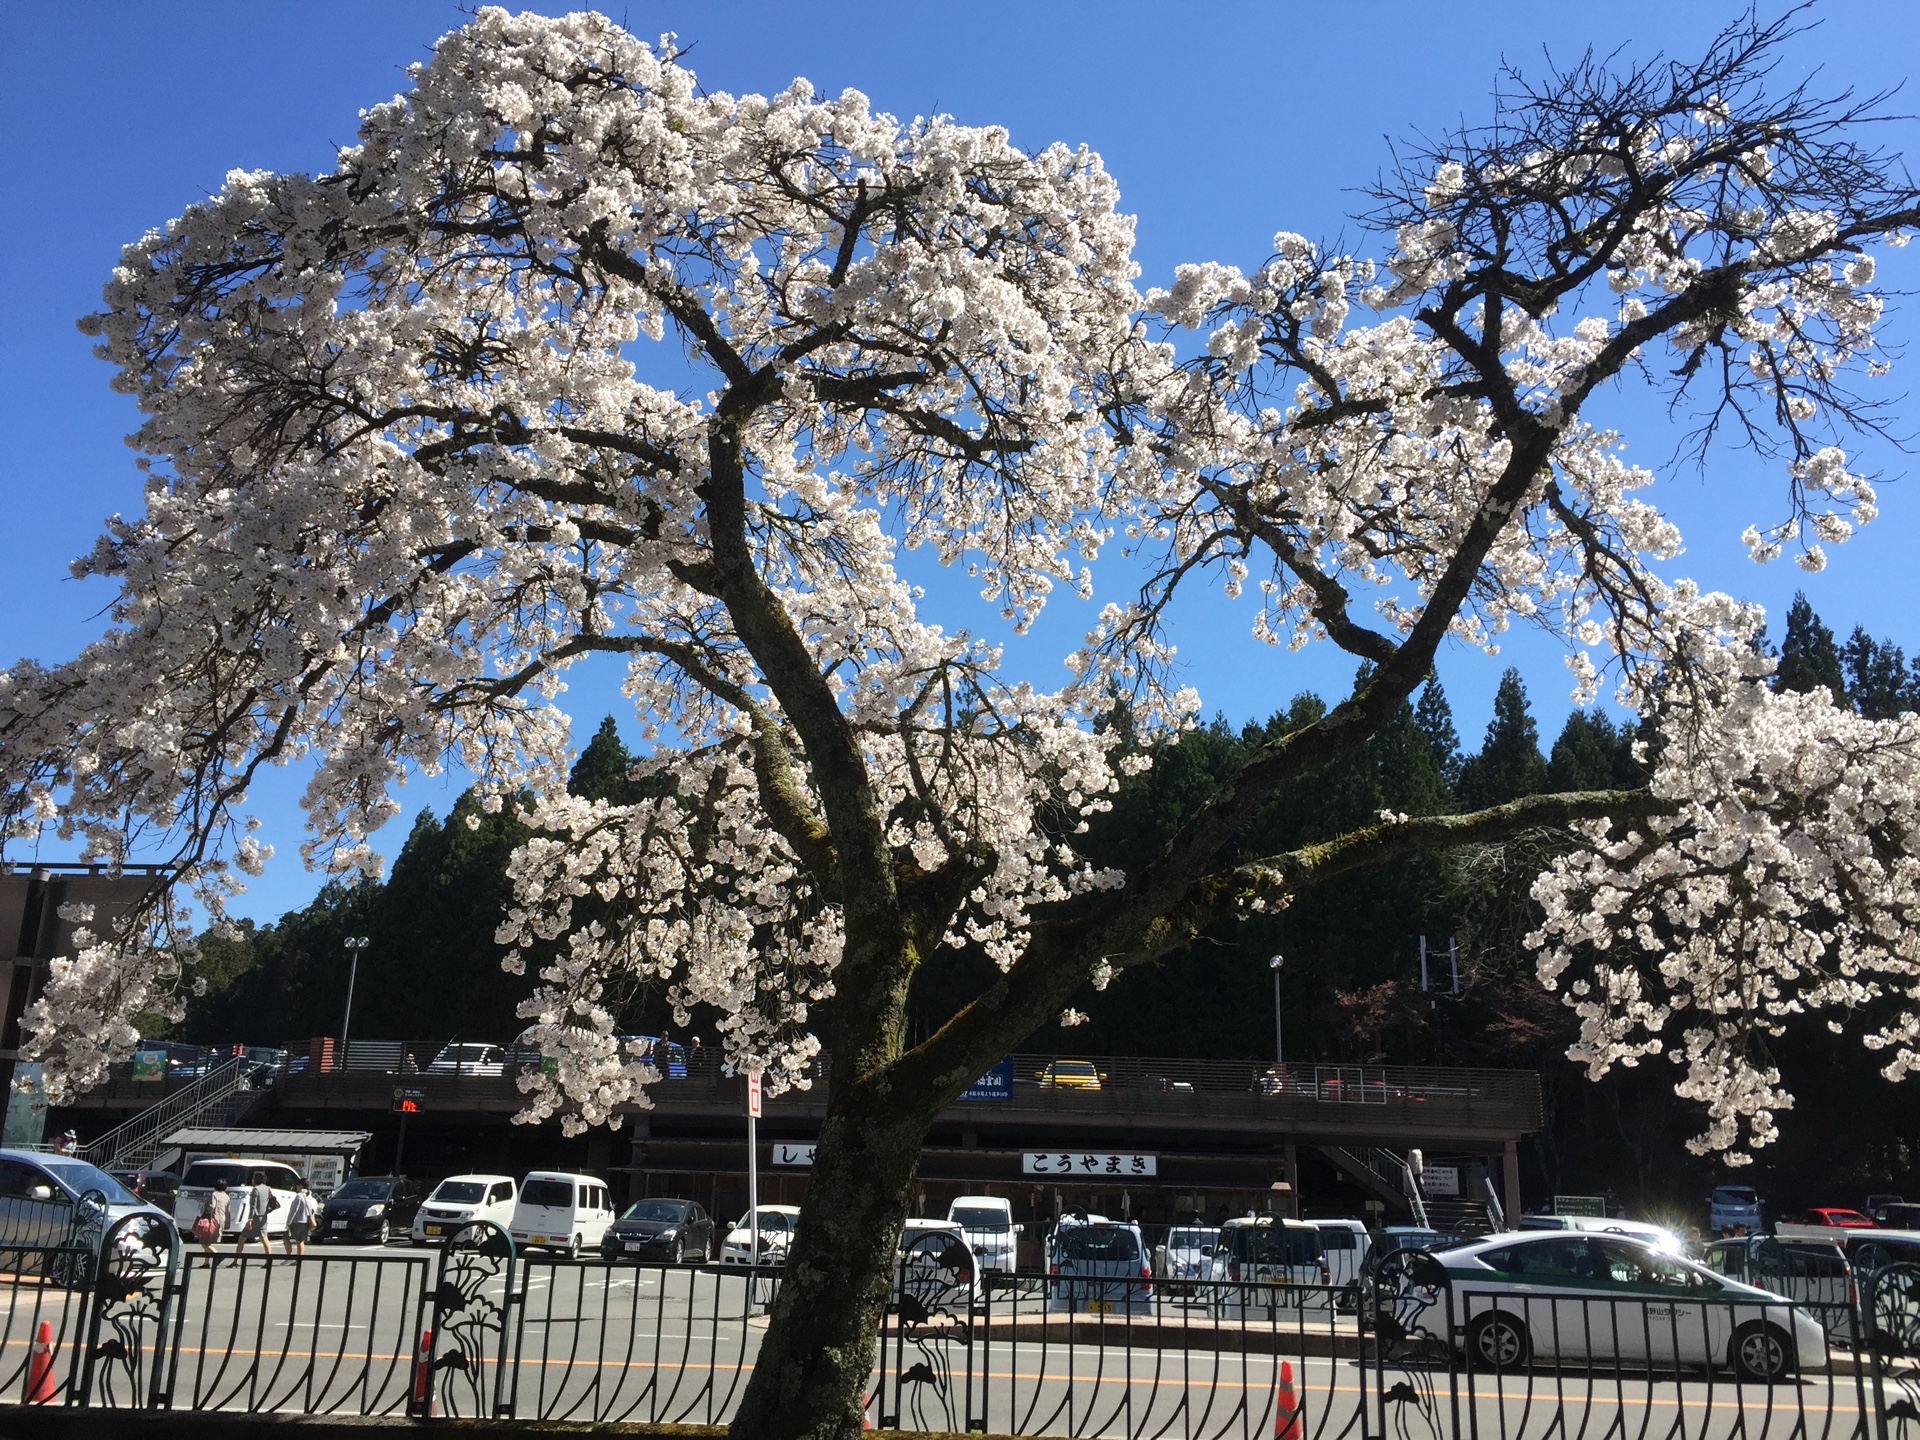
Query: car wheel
x,y
573,1247
385,1234
1497,1342
1760,1352
679,1252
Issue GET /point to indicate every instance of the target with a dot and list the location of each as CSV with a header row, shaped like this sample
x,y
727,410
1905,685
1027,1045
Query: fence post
x,y
118,1299
1869,1352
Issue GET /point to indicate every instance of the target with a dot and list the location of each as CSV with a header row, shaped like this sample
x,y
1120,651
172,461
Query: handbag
x,y
206,1228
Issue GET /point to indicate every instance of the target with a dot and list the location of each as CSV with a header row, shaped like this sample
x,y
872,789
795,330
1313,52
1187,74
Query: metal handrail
x,y
144,1131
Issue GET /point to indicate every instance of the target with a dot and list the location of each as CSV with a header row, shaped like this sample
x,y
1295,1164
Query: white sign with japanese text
x,y
793,1154
1087,1163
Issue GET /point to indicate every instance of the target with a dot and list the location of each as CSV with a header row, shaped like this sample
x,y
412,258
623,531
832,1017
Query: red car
x,y
1839,1219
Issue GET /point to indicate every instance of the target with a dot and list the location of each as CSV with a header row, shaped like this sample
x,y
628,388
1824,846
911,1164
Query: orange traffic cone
x,y
1286,1408
423,1398
40,1367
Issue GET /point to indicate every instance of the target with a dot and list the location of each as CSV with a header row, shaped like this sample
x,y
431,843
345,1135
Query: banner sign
x,y
996,1084
149,1065
1063,1162
1440,1180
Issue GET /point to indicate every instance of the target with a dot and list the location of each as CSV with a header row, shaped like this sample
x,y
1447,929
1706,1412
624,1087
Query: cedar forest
x,y
1350,990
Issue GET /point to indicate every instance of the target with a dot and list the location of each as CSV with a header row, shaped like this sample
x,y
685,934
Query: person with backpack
x,y
300,1216
211,1223
261,1202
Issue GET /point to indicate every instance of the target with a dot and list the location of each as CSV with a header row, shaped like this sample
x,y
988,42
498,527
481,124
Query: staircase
x,y
1384,1173
1469,1215
220,1097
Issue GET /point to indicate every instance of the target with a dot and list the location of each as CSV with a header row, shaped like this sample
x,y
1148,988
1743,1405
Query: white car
x,y
1529,1295
776,1226
1187,1252
460,1199
1345,1244
471,1059
991,1233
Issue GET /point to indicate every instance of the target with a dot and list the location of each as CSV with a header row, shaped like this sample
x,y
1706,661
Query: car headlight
x,y
375,1211
666,1234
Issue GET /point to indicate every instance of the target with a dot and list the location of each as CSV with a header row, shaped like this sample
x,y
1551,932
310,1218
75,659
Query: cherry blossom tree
x,y
568,356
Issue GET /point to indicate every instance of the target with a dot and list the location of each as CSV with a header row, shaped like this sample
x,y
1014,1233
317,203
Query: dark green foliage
x,y
1435,719
1879,682
1808,656
604,769
1593,753
1509,763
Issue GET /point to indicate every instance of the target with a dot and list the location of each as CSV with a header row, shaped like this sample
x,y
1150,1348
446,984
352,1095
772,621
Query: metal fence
x,y
122,1318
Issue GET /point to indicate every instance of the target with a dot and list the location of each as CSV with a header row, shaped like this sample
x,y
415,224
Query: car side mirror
x,y
1206,1252
42,1192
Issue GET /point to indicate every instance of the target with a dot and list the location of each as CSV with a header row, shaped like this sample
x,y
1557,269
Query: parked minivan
x,y
1344,1244
991,1233
1099,1267
558,1211
198,1183
1268,1256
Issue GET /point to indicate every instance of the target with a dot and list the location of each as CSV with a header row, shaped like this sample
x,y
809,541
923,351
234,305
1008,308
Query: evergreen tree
x,y
1592,753
1509,764
1878,680
604,769
1435,719
1808,656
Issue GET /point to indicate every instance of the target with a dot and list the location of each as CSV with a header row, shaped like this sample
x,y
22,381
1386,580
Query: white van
x,y
990,1231
461,1199
557,1211
1345,1245
197,1184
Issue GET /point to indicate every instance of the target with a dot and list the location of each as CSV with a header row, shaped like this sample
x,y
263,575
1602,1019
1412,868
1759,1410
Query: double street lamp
x,y
354,945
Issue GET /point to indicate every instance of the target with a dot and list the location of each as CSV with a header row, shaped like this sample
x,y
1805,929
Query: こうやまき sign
x,y
1088,1163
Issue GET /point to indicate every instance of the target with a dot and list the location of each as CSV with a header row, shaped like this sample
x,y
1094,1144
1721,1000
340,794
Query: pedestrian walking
x,y
211,1223
301,1211
261,1202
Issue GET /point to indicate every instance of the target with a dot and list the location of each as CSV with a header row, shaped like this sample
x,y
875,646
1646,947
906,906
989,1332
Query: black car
x,y
370,1209
672,1230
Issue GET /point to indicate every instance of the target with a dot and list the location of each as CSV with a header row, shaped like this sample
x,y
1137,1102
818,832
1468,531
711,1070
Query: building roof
x,y
345,1141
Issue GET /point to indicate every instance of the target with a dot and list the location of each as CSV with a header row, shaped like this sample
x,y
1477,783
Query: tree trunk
x,y
815,1363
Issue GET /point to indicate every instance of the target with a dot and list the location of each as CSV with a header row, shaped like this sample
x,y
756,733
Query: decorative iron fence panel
x,y
479,1328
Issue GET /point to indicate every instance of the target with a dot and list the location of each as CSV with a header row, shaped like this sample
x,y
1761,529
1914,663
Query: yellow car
x,y
1072,1075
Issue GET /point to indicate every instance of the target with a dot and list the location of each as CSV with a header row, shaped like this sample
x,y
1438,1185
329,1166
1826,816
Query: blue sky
x,y
1223,122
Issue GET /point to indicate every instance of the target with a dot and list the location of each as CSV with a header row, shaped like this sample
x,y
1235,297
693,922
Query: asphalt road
x,y
335,1334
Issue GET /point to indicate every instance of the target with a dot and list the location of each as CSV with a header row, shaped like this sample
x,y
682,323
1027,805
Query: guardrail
x,y
1412,1098
480,1328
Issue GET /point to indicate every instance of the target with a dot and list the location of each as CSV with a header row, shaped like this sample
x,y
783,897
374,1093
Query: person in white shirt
x,y
300,1216
260,1202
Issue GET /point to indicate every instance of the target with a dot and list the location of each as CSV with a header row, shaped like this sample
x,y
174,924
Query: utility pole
x,y
753,1175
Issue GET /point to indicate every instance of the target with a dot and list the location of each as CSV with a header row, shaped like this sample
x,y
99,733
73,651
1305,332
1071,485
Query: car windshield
x,y
80,1177
1734,1195
672,1212
1099,1242
363,1190
460,1192
967,1218
769,1220
1188,1239
1073,1067
547,1192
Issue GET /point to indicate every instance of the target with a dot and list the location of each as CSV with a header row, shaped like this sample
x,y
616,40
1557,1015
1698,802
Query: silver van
x,y
41,1195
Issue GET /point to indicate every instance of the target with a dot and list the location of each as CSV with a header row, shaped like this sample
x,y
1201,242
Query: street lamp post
x,y
1279,1044
355,945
